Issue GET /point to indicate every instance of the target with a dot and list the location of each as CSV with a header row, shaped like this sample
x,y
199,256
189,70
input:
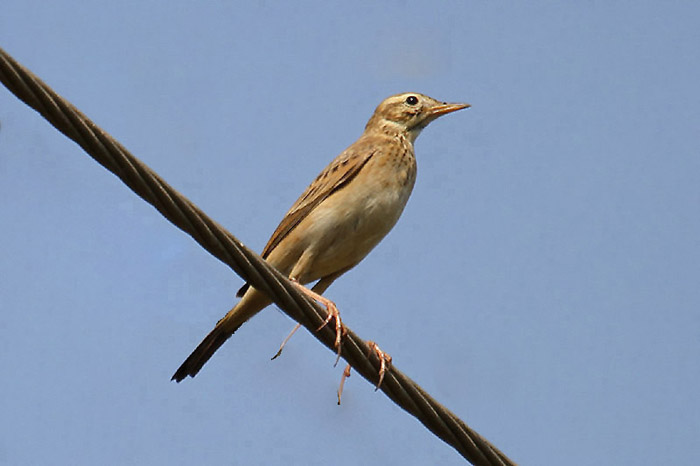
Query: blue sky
x,y
542,282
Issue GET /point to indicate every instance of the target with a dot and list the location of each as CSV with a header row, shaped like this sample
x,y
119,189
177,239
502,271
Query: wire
x,y
246,263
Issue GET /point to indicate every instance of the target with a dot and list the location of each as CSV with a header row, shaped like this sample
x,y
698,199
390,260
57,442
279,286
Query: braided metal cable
x,y
246,263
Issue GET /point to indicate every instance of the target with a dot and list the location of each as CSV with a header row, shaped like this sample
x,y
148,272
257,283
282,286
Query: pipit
x,y
343,214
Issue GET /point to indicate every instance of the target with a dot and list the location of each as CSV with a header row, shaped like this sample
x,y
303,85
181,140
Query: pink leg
x,y
332,314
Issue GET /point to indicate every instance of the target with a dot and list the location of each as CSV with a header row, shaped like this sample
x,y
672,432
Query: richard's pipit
x,y
341,216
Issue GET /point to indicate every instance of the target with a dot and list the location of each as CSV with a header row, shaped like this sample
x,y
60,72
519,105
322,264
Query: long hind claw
x,y
284,342
346,374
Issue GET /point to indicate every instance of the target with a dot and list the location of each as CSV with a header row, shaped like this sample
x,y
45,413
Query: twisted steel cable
x,y
246,263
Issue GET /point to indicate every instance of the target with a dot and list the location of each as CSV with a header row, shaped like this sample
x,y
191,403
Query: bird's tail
x,y
252,303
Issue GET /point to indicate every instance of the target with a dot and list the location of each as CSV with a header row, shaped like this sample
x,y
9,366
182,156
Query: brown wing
x,y
334,177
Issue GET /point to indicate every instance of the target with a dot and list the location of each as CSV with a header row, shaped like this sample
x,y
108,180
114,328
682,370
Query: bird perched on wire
x,y
343,214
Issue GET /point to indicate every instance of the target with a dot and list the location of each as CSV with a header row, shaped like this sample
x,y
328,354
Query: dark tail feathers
x,y
202,353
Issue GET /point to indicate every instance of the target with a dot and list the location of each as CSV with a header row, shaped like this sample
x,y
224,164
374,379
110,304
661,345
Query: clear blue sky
x,y
542,282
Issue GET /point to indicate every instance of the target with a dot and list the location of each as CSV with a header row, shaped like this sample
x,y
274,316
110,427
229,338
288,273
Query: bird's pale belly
x,y
346,227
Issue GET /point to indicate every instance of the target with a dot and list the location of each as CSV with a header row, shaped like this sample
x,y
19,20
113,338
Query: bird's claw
x,y
284,342
384,361
346,374
340,330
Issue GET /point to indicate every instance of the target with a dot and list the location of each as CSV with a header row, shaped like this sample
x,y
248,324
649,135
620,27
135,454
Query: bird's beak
x,y
445,108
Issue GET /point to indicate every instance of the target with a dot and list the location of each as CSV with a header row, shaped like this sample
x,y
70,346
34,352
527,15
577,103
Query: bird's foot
x,y
384,365
384,361
340,330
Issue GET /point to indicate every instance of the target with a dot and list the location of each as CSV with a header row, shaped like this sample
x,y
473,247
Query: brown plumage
x,y
344,213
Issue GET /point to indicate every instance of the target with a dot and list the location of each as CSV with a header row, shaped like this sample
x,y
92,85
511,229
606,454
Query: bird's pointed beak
x,y
445,108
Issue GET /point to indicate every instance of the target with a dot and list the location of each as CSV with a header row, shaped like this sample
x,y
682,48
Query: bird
x,y
340,217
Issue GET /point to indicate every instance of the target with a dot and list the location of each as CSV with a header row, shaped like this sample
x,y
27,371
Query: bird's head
x,y
408,114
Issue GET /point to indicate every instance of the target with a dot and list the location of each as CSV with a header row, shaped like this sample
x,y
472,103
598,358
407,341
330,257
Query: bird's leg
x,y
321,286
332,314
346,374
384,361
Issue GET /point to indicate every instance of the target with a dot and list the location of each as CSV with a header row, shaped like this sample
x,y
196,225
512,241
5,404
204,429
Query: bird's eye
x,y
411,100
